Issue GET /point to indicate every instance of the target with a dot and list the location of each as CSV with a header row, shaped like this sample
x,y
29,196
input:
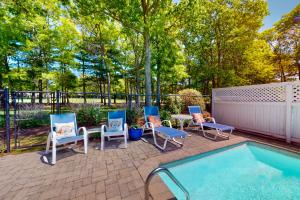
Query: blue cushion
x,y
221,127
171,132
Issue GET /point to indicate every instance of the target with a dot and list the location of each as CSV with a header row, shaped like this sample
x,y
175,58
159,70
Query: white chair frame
x,y
150,126
52,138
106,133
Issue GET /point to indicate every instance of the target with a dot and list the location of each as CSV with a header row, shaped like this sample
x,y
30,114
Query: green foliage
x,y
165,115
131,46
133,115
33,118
90,116
283,38
173,104
259,67
191,97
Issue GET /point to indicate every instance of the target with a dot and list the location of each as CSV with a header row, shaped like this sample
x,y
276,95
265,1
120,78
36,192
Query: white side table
x,y
93,130
181,118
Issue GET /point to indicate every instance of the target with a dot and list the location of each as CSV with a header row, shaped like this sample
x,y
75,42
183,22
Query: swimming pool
x,y
241,172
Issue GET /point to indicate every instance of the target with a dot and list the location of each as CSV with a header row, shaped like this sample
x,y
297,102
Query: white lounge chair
x,y
211,123
168,133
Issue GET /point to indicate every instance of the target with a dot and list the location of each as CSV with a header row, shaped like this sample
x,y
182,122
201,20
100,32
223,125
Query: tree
x,y
215,35
284,40
259,67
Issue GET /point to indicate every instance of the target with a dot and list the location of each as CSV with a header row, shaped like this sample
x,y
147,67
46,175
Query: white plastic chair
x,y
56,141
105,132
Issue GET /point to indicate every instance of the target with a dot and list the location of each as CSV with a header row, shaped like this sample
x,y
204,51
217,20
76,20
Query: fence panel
x,y
31,111
28,125
270,109
2,122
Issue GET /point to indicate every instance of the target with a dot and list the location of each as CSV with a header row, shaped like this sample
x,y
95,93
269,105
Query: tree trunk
x,y
83,82
104,96
158,83
283,78
147,66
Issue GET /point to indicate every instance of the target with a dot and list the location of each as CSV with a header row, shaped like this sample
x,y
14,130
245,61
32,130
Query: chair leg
x,y
53,153
177,142
125,140
48,143
165,144
102,141
156,144
85,144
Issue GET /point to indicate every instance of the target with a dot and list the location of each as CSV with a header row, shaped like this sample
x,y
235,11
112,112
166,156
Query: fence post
x,y
7,119
14,99
130,101
212,102
289,100
57,101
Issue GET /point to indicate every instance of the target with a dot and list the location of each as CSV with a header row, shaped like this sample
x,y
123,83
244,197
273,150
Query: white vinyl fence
x,y
270,109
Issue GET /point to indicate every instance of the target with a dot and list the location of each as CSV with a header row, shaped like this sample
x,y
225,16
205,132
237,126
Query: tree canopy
x,y
144,46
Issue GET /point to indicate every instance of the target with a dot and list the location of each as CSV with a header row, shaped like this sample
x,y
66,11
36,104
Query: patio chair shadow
x,y
112,144
196,132
61,154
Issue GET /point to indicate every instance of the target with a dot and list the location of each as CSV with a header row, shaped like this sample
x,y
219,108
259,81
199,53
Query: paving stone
x,y
110,174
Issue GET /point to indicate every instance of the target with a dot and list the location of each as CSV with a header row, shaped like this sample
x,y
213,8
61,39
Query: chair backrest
x,y
194,109
150,110
118,114
63,118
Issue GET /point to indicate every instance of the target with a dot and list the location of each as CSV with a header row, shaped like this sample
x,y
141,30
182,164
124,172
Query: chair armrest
x,y
211,118
53,135
148,125
168,121
126,127
103,128
83,129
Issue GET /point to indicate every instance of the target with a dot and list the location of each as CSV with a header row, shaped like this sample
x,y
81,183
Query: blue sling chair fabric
x,y
168,133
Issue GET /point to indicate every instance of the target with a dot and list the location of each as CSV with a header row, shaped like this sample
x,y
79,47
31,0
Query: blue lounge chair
x,y
168,133
73,136
221,129
106,132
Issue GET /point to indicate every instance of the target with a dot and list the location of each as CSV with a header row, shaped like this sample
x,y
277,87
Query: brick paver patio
x,y
112,174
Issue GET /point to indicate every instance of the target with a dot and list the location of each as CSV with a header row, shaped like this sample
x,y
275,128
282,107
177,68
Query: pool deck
x,y
113,174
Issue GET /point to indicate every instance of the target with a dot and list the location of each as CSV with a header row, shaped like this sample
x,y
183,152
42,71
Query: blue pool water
x,y
249,171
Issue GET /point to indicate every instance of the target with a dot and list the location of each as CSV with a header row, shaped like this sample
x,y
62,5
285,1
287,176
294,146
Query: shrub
x,y
133,116
173,104
165,115
32,116
191,97
89,116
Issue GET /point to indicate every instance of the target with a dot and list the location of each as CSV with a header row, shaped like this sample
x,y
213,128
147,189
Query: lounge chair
x,y
168,133
210,122
108,131
64,130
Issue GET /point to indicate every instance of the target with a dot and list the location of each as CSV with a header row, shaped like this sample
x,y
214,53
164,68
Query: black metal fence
x,y
4,121
24,115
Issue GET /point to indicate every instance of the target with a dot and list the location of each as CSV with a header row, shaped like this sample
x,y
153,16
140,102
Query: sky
x,y
277,9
